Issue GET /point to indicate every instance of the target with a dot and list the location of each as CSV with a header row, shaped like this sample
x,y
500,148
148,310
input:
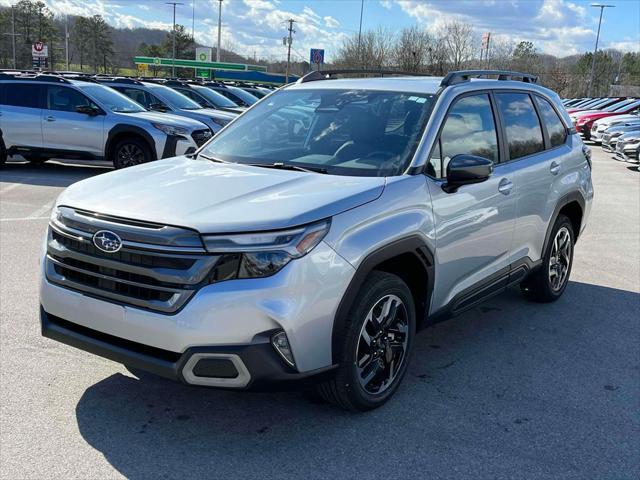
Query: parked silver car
x,y
47,116
316,234
160,98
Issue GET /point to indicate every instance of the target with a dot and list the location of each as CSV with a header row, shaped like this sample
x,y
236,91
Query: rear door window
x,y
555,128
20,95
522,125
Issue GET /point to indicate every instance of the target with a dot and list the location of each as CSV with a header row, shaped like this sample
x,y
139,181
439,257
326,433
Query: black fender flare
x,y
130,129
413,244
564,201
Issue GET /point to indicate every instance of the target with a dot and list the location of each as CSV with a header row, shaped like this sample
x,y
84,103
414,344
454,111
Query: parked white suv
x,y
312,237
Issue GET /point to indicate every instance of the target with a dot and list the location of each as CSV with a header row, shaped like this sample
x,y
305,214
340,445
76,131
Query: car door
x,y
474,225
20,114
68,131
538,161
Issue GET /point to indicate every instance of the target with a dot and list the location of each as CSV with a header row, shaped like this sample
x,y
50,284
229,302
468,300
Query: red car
x,y
583,121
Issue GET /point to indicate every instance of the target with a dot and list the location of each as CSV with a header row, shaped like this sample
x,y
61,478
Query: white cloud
x,y
331,22
386,4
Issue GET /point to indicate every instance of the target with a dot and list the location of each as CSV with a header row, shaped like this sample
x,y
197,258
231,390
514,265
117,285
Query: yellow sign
x,y
143,68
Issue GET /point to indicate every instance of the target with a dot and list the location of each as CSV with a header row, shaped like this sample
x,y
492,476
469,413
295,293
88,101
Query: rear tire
x,y
129,152
548,283
377,344
3,153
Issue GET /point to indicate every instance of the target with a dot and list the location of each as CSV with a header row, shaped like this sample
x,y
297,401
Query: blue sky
x,y
559,27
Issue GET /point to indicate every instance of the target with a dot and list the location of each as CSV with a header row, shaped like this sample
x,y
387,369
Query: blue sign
x,y
317,56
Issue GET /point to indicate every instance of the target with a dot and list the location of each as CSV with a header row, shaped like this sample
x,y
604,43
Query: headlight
x,y
219,121
254,255
171,130
633,141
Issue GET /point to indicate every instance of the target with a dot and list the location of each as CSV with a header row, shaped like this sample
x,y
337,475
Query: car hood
x,y
618,118
167,119
213,197
211,113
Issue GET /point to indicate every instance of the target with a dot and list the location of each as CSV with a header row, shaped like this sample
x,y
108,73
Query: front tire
x,y
129,152
377,344
548,283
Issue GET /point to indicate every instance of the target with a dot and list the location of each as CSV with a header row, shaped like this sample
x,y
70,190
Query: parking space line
x,y
42,210
19,219
10,187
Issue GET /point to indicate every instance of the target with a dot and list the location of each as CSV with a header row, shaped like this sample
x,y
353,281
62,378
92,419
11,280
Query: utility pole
x,y
219,30
289,41
66,40
13,35
595,51
173,59
360,32
193,20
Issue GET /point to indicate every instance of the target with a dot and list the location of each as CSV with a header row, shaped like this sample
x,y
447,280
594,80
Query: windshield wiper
x,y
213,159
289,166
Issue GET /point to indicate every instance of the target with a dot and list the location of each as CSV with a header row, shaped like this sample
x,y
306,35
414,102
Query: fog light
x,y
281,343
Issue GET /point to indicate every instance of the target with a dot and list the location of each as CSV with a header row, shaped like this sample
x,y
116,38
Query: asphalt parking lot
x,y
511,389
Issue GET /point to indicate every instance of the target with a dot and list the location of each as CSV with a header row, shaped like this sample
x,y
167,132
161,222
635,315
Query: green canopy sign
x,y
169,62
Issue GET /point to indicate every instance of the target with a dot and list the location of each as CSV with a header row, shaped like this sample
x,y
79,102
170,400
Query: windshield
x,y
627,107
112,100
173,98
340,132
215,98
246,96
615,106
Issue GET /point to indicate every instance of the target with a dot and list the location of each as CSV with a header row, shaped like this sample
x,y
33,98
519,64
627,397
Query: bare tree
x,y
374,50
413,50
459,40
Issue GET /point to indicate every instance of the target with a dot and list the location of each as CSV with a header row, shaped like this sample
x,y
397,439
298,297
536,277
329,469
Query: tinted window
x,y
524,134
66,99
111,99
137,95
21,95
468,129
555,127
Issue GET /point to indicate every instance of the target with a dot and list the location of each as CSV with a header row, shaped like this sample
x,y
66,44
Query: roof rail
x,y
328,74
129,81
461,76
35,77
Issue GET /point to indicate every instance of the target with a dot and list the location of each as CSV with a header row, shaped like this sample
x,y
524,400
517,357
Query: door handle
x,y
554,168
505,186
51,118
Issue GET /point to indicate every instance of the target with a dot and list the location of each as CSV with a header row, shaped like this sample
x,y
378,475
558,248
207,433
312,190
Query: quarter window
x,y
524,133
556,129
468,129
21,95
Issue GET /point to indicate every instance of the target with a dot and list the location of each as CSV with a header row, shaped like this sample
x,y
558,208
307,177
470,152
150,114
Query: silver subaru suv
x,y
50,116
313,237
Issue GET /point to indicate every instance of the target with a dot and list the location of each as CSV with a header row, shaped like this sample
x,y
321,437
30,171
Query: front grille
x,y
201,136
160,276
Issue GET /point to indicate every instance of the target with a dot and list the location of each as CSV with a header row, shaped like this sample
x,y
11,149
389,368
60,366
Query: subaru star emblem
x,y
107,241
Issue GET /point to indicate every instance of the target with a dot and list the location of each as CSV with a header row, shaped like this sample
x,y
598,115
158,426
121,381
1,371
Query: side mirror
x,y
87,110
466,169
157,107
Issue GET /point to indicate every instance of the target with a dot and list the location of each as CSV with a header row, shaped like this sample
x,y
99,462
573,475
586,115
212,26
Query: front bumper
x,y
249,366
301,299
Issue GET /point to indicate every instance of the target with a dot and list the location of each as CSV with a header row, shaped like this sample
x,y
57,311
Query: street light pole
x,y
595,51
173,59
13,35
289,41
360,32
219,30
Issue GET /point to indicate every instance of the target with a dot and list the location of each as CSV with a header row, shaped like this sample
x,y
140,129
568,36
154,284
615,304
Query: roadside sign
x,y
203,73
203,54
39,50
316,56
143,68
